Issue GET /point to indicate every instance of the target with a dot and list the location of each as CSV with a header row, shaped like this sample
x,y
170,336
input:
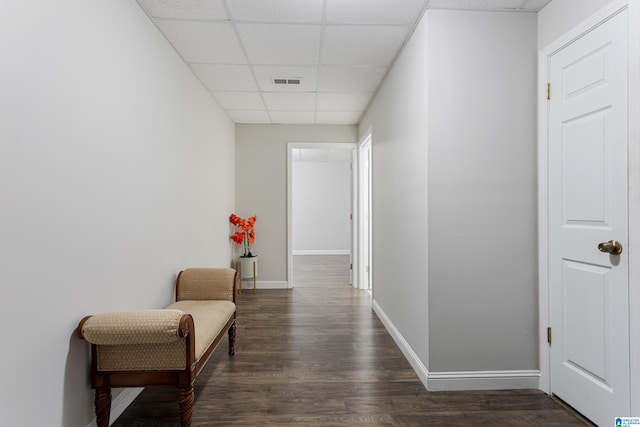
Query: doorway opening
x,y
320,220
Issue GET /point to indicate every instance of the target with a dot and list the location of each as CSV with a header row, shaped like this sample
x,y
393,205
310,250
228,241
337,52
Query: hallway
x,y
318,356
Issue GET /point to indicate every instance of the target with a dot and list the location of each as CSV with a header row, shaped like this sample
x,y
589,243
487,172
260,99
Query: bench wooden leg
x,y
232,339
185,400
103,406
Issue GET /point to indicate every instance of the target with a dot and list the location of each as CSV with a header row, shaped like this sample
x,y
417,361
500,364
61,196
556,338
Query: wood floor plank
x,y
321,270
318,356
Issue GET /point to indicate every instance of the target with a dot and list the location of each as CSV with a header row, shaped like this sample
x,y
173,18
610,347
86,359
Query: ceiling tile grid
x,y
297,61
251,101
265,75
282,44
383,12
364,45
292,101
185,9
277,10
213,42
226,77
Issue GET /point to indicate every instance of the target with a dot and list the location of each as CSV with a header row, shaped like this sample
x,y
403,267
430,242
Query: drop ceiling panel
x,y
185,9
266,73
338,117
225,77
340,49
239,100
535,5
292,117
517,5
350,79
342,101
284,44
374,11
252,117
362,45
277,101
203,41
276,10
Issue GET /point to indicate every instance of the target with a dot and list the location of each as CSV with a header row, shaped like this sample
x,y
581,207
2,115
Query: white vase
x,y
248,267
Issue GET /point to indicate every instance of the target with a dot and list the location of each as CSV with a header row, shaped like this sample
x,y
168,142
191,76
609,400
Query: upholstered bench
x,y
162,347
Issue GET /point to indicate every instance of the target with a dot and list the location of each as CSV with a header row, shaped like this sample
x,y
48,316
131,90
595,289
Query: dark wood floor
x,y
321,270
318,356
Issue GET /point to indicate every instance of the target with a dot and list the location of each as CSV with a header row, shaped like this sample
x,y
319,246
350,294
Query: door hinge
x,y
549,335
350,266
548,90
351,216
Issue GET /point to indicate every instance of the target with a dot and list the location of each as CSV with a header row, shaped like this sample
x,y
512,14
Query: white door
x,y
589,289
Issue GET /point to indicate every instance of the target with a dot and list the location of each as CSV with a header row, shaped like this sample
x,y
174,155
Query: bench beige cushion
x,y
209,317
149,340
133,327
197,284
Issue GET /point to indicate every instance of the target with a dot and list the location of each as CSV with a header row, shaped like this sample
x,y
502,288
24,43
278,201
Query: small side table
x,y
248,268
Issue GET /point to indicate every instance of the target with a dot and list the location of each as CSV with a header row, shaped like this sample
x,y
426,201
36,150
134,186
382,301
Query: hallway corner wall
x,y
454,196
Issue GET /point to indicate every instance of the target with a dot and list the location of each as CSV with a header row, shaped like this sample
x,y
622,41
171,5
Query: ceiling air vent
x,y
287,81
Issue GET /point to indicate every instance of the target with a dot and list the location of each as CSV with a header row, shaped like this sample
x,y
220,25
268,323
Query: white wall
x,y
482,191
398,118
116,171
321,203
454,192
261,184
559,16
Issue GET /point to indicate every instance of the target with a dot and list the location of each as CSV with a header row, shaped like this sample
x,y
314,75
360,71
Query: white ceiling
x,y
339,50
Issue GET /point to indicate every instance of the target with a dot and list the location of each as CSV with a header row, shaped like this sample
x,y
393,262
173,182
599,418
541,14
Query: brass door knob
x,y
612,247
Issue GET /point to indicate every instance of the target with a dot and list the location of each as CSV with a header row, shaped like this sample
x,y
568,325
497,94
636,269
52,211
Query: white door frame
x,y
634,190
364,235
290,147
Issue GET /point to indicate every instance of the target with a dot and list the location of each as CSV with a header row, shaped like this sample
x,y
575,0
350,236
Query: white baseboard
x,y
321,252
120,403
263,284
458,380
483,380
404,346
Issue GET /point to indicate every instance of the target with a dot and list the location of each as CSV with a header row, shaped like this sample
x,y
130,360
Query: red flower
x,y
238,237
236,220
246,234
